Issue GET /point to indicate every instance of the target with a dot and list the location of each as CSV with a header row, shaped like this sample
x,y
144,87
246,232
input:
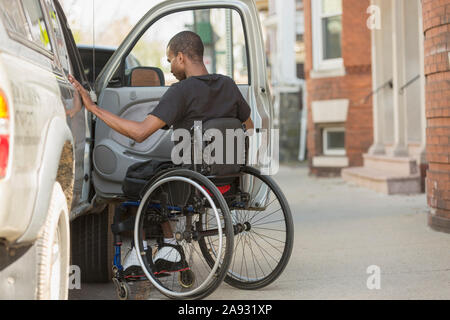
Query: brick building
x,y
436,28
338,80
411,105
396,162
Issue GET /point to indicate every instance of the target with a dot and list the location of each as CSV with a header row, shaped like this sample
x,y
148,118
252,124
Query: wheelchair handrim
x,y
138,243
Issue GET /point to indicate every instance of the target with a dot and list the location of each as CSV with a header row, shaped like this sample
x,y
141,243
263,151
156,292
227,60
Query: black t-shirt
x,y
201,98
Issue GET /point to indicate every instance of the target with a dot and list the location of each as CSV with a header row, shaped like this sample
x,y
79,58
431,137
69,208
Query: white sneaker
x,y
169,258
167,253
131,262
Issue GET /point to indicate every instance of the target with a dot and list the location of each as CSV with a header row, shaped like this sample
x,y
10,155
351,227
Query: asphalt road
x,y
340,231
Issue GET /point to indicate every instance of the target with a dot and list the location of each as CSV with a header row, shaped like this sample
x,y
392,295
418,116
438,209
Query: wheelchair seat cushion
x,y
139,174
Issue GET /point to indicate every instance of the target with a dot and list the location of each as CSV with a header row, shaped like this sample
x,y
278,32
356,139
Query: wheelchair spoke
x,y
254,258
235,251
255,215
265,223
261,249
269,229
262,237
266,216
243,256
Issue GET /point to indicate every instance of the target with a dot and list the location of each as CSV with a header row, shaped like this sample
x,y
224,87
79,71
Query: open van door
x,y
233,41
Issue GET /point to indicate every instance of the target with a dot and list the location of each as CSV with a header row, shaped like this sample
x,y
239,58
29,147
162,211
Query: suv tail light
x,y
4,134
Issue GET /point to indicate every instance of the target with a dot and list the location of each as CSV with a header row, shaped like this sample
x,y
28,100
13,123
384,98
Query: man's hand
x,y
249,126
87,101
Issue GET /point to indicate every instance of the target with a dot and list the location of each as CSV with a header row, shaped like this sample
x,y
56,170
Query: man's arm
x,y
138,131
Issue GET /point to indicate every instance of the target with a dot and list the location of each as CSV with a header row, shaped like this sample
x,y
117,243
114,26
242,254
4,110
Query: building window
x,y
327,34
333,141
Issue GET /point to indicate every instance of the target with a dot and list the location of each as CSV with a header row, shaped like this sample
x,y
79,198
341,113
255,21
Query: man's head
x,y
184,51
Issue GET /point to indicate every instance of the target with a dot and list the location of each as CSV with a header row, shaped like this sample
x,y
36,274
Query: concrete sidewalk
x,y
341,230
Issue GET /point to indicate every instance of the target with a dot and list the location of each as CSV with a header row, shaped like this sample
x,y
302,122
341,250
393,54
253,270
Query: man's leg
x,y
167,230
167,258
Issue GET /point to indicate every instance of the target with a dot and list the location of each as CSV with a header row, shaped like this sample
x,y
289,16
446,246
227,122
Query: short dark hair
x,y
188,43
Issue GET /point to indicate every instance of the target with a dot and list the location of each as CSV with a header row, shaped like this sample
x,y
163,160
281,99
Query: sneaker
x,y
131,266
169,258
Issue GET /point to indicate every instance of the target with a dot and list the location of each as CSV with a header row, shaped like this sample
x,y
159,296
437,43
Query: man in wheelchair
x,y
198,96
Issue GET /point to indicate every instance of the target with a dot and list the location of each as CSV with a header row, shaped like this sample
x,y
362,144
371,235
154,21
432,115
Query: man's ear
x,y
181,58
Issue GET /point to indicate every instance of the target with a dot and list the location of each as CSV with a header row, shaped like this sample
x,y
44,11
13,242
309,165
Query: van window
x,y
221,31
13,18
36,23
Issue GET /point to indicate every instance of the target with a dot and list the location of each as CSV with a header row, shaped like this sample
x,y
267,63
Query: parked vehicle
x,y
43,149
40,110
101,54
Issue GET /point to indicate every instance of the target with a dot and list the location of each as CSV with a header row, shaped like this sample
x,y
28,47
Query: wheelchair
x,y
230,222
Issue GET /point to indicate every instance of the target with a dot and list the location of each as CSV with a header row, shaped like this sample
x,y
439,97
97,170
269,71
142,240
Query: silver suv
x,y
55,148
42,149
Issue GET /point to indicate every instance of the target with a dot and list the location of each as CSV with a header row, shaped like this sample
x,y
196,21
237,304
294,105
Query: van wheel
x,y
53,250
92,246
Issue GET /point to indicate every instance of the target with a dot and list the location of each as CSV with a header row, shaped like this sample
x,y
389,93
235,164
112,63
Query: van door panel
x,y
113,152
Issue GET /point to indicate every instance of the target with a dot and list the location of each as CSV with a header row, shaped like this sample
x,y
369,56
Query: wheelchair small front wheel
x,y
122,289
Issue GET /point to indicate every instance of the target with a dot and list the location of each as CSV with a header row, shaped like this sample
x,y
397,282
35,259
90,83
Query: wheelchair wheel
x,y
182,198
263,235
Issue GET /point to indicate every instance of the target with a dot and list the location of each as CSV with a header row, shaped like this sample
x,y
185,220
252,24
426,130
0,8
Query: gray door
x,y
233,46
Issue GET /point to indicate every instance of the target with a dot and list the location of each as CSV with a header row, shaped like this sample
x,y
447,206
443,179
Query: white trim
x,y
329,111
328,73
332,152
319,63
330,162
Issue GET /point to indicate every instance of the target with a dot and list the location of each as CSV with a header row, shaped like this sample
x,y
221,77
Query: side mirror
x,y
146,77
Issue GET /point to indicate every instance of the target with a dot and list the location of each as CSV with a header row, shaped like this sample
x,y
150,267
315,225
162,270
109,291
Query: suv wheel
x,y
92,246
53,250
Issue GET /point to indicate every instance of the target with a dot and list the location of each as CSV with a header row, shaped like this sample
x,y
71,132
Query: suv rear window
x,y
13,18
60,44
101,58
36,22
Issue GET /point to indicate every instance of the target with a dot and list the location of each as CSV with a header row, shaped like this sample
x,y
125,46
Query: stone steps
x,y
389,175
394,165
